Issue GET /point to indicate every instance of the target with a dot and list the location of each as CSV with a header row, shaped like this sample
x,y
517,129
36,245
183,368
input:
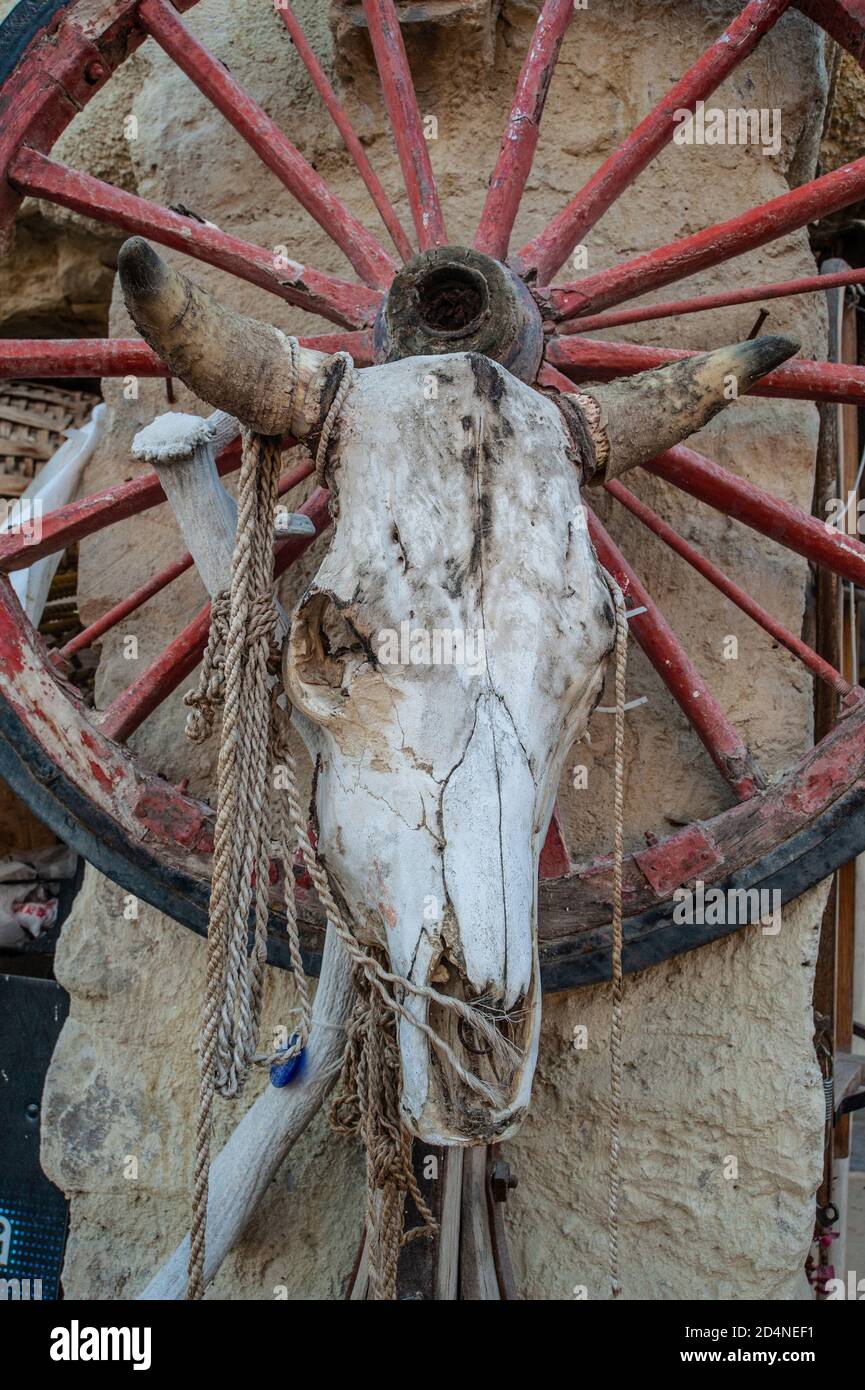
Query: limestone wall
x,y
718,1055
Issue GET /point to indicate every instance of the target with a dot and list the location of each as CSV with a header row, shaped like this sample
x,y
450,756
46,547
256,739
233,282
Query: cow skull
x,y
454,641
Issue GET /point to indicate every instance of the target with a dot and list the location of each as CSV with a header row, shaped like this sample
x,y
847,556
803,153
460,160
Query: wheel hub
x,y
455,299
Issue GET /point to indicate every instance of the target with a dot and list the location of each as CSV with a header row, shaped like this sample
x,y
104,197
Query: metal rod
x,y
318,293
345,128
273,148
728,587
520,139
546,253
402,108
723,299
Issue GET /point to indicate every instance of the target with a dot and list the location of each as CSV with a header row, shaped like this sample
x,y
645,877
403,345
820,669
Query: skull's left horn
x,y
232,362
633,420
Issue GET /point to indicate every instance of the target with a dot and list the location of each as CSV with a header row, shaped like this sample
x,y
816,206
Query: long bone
x,y
182,450
244,1169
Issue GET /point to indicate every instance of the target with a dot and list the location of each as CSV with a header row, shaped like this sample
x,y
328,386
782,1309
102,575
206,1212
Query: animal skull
x,y
451,647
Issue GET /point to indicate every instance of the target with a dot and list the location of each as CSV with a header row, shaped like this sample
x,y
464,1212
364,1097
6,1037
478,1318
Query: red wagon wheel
x,y
71,763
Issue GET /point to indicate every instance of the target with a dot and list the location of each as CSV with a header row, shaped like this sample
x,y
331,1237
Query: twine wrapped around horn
x,y
233,362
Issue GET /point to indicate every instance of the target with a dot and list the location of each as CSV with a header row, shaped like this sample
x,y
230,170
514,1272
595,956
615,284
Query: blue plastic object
x,y
281,1073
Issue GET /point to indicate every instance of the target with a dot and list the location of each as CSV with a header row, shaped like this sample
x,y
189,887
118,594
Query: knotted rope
x,y
621,659
241,657
239,664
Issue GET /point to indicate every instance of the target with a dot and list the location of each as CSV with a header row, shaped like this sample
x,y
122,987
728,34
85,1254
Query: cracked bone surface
x,y
246,1165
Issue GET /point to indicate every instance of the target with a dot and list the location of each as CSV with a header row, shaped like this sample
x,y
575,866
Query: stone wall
x,y
718,1056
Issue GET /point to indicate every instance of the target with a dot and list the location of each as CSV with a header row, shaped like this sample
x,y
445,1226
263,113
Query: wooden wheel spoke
x,y
402,108
678,672
716,577
90,514
780,521
124,715
332,298
712,246
104,357
87,357
520,139
796,381
345,128
160,581
546,253
370,260
807,284
114,615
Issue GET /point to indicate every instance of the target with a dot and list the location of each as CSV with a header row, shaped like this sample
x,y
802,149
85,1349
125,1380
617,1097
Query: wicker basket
x,y
33,416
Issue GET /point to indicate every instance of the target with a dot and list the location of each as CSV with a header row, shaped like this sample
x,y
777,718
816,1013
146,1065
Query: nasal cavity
x,y
325,644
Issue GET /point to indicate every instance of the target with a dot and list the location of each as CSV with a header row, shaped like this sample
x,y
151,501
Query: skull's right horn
x,y
634,419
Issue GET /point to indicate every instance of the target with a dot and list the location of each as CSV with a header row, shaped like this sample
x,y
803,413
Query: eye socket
x,y
323,652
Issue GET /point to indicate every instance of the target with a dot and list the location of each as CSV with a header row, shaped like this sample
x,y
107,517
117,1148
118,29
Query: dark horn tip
x,y
141,269
769,351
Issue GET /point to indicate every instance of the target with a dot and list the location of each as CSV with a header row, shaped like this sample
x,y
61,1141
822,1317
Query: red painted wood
x,y
49,88
780,521
90,514
99,357
712,246
345,128
546,253
555,859
114,615
402,108
273,148
674,308
160,581
152,816
843,19
677,671
520,139
726,586
585,358
88,357
351,305
124,715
